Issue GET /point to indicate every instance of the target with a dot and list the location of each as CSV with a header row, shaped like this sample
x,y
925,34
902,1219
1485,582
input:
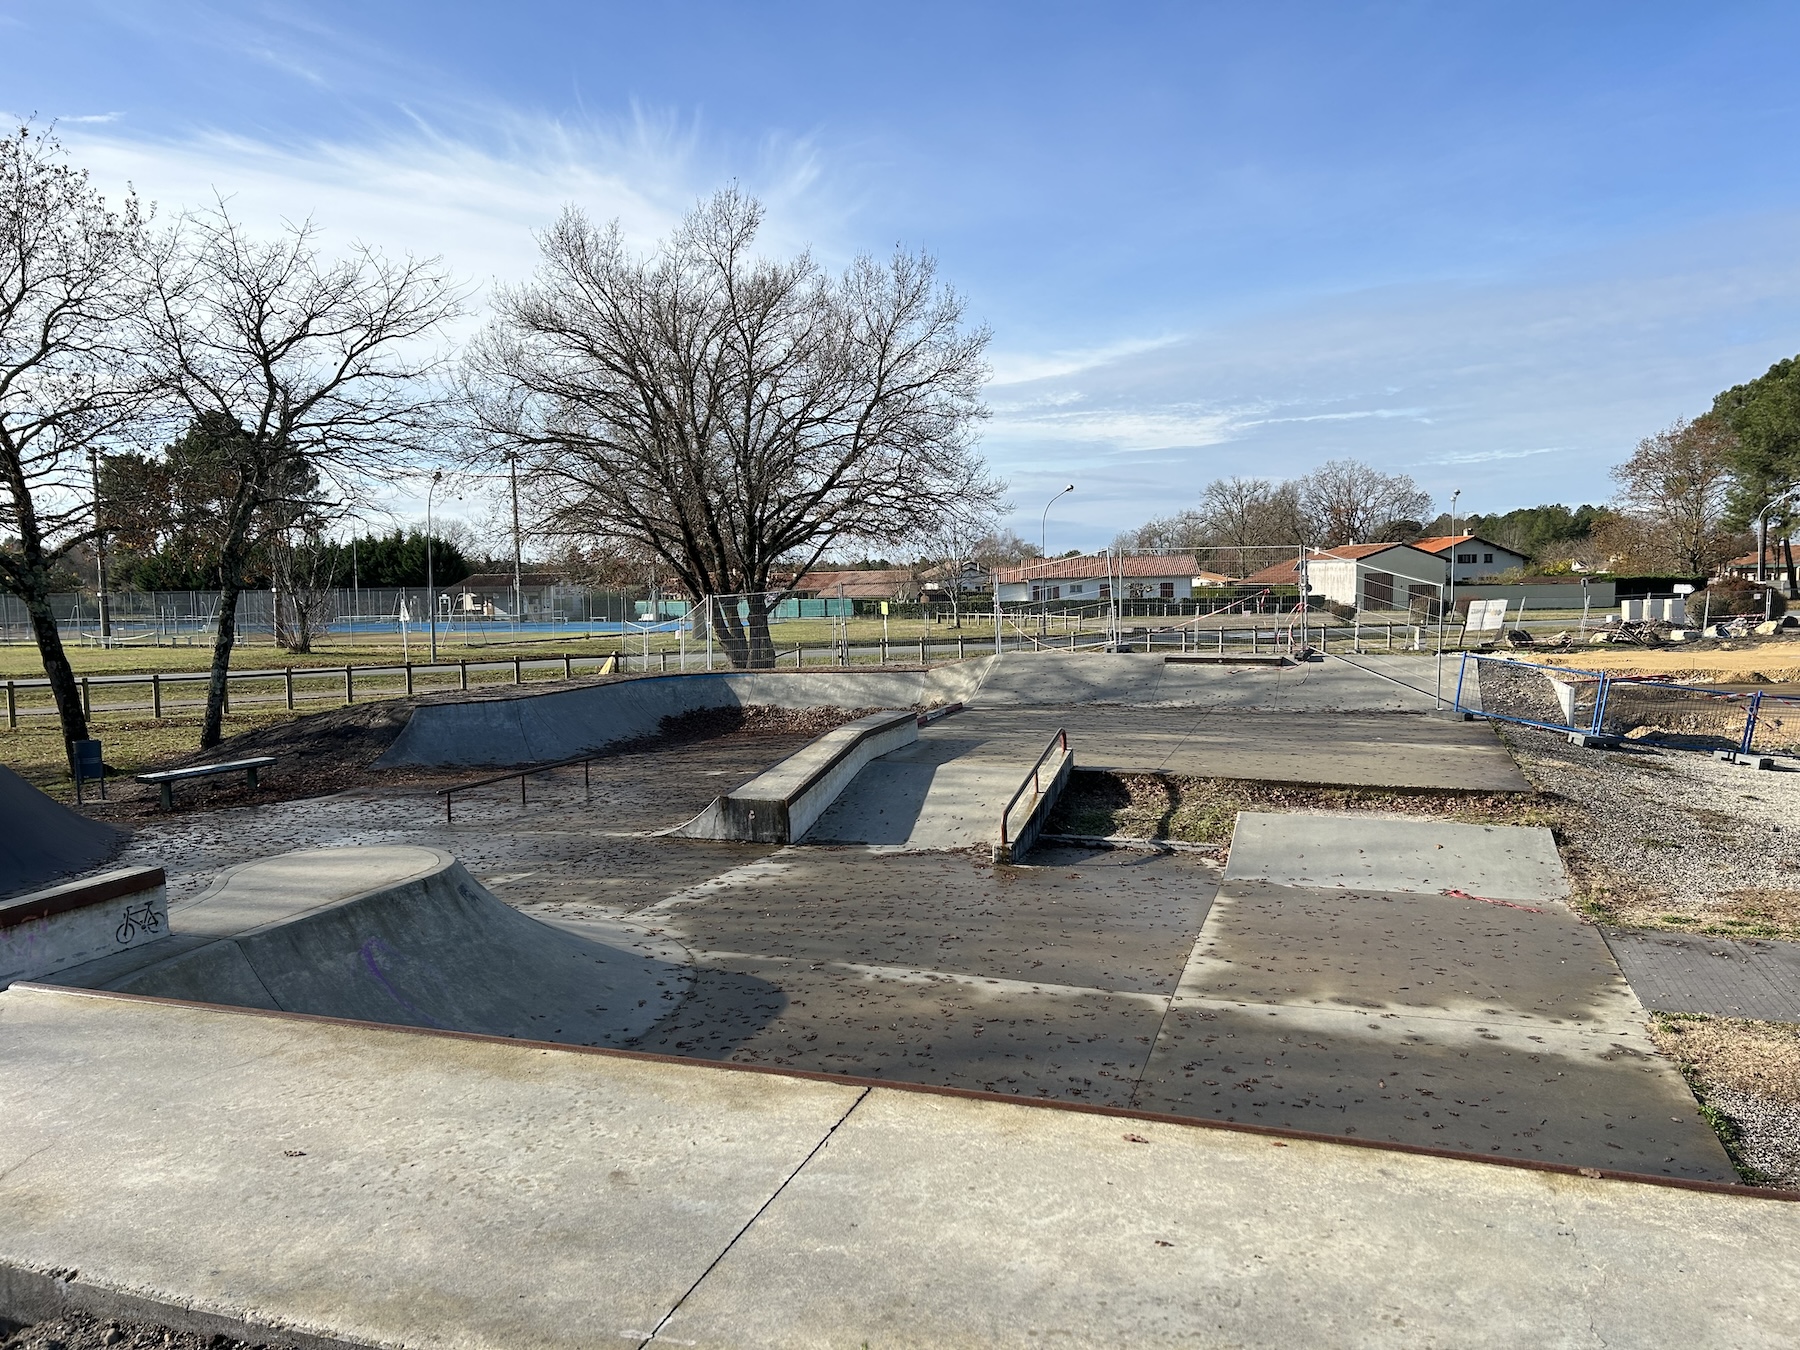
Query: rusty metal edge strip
x,y
967,1094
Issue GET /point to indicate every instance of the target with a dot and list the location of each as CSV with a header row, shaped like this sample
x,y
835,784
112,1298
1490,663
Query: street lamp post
x,y
1044,525
430,577
1451,603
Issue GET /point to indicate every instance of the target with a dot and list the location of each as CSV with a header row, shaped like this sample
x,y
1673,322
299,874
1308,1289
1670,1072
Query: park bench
x,y
167,779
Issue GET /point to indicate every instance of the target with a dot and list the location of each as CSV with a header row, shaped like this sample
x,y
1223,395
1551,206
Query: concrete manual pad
x,y
1721,977
388,1188
1503,862
928,1222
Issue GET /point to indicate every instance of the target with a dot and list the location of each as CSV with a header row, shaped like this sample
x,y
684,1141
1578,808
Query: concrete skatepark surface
x,y
536,728
371,1186
1389,1010
42,840
1327,987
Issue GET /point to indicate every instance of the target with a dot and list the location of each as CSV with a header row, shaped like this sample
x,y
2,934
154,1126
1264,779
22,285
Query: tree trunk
x,y
1787,554
56,666
213,731
760,643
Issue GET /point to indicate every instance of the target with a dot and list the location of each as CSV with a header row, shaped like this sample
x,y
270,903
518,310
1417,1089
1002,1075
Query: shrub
x,y
1722,599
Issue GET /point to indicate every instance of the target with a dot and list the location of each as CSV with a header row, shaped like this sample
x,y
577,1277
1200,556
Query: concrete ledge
x,y
81,921
1022,835
782,804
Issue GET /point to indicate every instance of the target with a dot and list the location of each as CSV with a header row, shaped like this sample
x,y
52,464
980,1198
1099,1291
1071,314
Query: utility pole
x,y
100,548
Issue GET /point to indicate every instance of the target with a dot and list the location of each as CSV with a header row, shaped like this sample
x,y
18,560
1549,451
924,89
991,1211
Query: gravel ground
x,y
1673,838
1749,1073
76,1332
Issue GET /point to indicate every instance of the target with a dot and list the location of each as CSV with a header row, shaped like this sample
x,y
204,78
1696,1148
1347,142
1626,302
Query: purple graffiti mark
x,y
370,950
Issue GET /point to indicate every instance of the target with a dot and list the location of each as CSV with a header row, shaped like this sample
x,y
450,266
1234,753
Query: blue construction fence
x,y
1597,703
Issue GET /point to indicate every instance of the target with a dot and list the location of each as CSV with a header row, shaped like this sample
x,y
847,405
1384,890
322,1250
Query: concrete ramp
x,y
41,839
394,934
535,728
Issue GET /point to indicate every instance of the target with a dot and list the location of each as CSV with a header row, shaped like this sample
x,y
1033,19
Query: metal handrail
x,y
1060,738
587,781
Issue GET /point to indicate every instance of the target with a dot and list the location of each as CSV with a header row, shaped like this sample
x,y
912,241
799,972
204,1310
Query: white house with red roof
x,y
1096,577
1366,576
1472,556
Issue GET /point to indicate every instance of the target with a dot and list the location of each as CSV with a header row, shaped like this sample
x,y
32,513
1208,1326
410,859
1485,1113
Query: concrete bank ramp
x,y
535,728
393,934
41,839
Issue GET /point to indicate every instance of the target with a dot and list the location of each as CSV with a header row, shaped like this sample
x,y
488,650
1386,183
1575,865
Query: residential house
x,y
1093,578
880,583
1472,556
1365,576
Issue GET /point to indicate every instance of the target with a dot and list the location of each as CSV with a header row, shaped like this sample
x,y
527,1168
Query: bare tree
x,y
68,384
1674,500
1247,518
1348,501
953,545
313,372
732,415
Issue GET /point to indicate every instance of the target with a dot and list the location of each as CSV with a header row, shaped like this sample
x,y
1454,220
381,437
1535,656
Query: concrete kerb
x,y
781,805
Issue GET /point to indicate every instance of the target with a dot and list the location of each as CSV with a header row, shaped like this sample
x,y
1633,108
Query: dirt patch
x,y
78,1332
1768,660
1746,1076
759,720
1204,810
329,752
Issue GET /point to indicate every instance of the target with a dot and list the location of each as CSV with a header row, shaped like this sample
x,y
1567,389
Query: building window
x,y
1105,591
1075,589
1168,590
1055,593
1467,558
1487,557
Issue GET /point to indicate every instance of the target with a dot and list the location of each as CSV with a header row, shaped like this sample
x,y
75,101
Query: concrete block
x,y
81,921
782,804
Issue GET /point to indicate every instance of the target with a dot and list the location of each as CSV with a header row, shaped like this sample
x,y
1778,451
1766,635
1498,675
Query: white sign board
x,y
1487,616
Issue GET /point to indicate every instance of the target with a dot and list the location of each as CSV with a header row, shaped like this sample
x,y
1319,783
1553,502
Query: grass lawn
x,y
132,745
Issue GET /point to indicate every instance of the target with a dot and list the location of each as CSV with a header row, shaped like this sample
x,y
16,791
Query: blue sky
x,y
1490,245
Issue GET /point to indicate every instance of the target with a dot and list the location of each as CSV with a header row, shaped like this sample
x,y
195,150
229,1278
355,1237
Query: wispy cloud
x,y
1489,456
475,200
1014,367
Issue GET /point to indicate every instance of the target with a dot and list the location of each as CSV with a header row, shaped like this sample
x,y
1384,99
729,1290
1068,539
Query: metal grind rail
x,y
587,780
1032,780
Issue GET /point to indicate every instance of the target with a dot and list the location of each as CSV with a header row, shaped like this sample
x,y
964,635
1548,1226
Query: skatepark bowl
x,y
1405,983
